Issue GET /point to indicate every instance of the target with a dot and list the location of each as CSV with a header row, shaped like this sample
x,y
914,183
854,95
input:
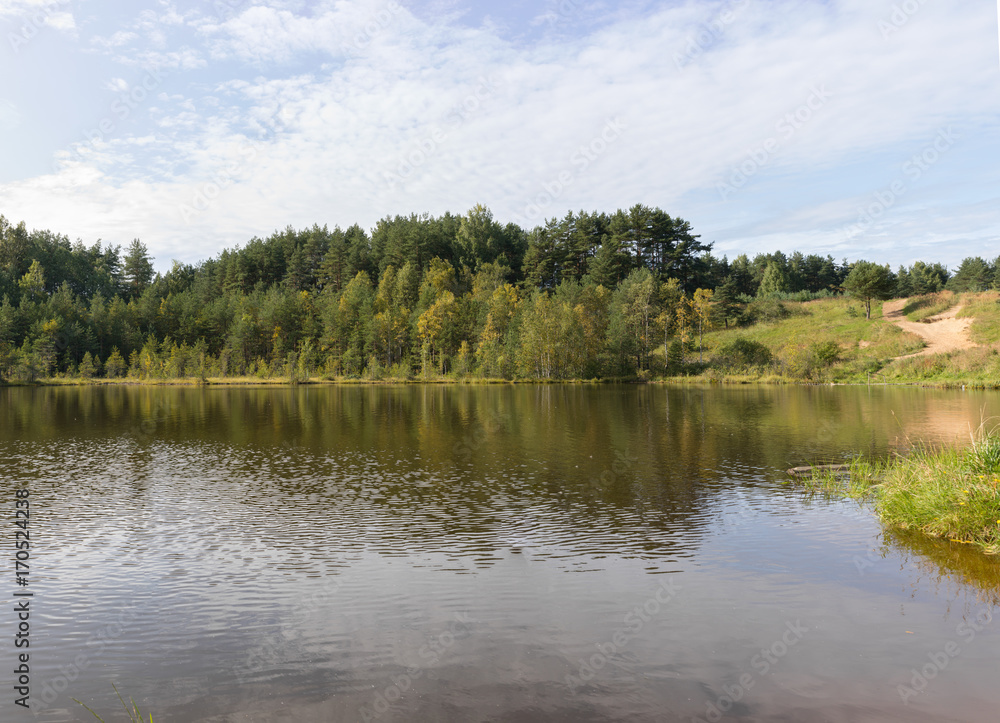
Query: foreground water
x,y
495,553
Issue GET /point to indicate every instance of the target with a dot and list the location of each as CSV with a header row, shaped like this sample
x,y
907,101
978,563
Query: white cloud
x,y
815,88
117,85
181,59
61,21
26,8
33,15
266,34
116,40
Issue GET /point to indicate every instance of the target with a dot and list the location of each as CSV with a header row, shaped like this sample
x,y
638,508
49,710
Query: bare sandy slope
x,y
944,333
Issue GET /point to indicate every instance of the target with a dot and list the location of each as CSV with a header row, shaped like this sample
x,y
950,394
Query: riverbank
x,y
938,340
692,380
686,380
949,493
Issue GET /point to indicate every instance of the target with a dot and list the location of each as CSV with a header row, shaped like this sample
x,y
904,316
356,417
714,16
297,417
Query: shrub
x,y
742,352
115,365
826,352
764,310
373,370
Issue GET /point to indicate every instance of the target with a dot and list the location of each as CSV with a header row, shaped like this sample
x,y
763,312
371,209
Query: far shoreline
x,y
698,381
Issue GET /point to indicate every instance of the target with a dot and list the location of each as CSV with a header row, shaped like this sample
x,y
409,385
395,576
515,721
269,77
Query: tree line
x,y
588,295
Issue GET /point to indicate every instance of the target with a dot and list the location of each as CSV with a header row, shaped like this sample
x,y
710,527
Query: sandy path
x,y
944,333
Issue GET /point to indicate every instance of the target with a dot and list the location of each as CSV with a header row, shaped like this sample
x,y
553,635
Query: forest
x,y
588,296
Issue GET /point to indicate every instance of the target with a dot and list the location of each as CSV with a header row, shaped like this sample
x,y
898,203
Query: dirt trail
x,y
943,333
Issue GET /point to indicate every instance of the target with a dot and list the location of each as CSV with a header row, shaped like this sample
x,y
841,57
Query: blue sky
x,y
857,128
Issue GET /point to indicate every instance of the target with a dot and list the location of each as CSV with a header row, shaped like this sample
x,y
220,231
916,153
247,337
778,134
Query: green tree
x,y
480,239
774,282
435,329
725,301
591,310
974,274
928,278
742,275
611,263
539,337
673,316
33,283
138,271
491,351
633,309
868,281
334,270
87,367
350,327
390,327
115,365
701,313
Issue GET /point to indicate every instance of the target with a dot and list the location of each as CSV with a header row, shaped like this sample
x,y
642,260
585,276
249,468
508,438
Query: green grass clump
x,y
984,308
936,493
948,493
134,715
919,308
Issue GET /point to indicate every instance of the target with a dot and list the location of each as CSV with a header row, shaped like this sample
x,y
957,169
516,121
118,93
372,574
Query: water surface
x,y
488,553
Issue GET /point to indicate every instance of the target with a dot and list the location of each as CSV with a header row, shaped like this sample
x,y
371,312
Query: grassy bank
x,y
950,493
920,308
829,340
820,341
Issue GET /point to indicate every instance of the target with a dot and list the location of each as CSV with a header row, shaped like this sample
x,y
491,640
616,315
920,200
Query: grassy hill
x,y
829,340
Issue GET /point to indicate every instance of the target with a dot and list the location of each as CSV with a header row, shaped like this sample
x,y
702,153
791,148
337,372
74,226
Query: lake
x,y
485,553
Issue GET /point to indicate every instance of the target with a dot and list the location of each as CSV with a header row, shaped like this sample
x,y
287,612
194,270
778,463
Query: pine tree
x,y
87,368
115,365
33,283
138,272
775,281
610,264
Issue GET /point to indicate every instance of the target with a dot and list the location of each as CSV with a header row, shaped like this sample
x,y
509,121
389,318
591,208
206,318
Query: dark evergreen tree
x,y
138,270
